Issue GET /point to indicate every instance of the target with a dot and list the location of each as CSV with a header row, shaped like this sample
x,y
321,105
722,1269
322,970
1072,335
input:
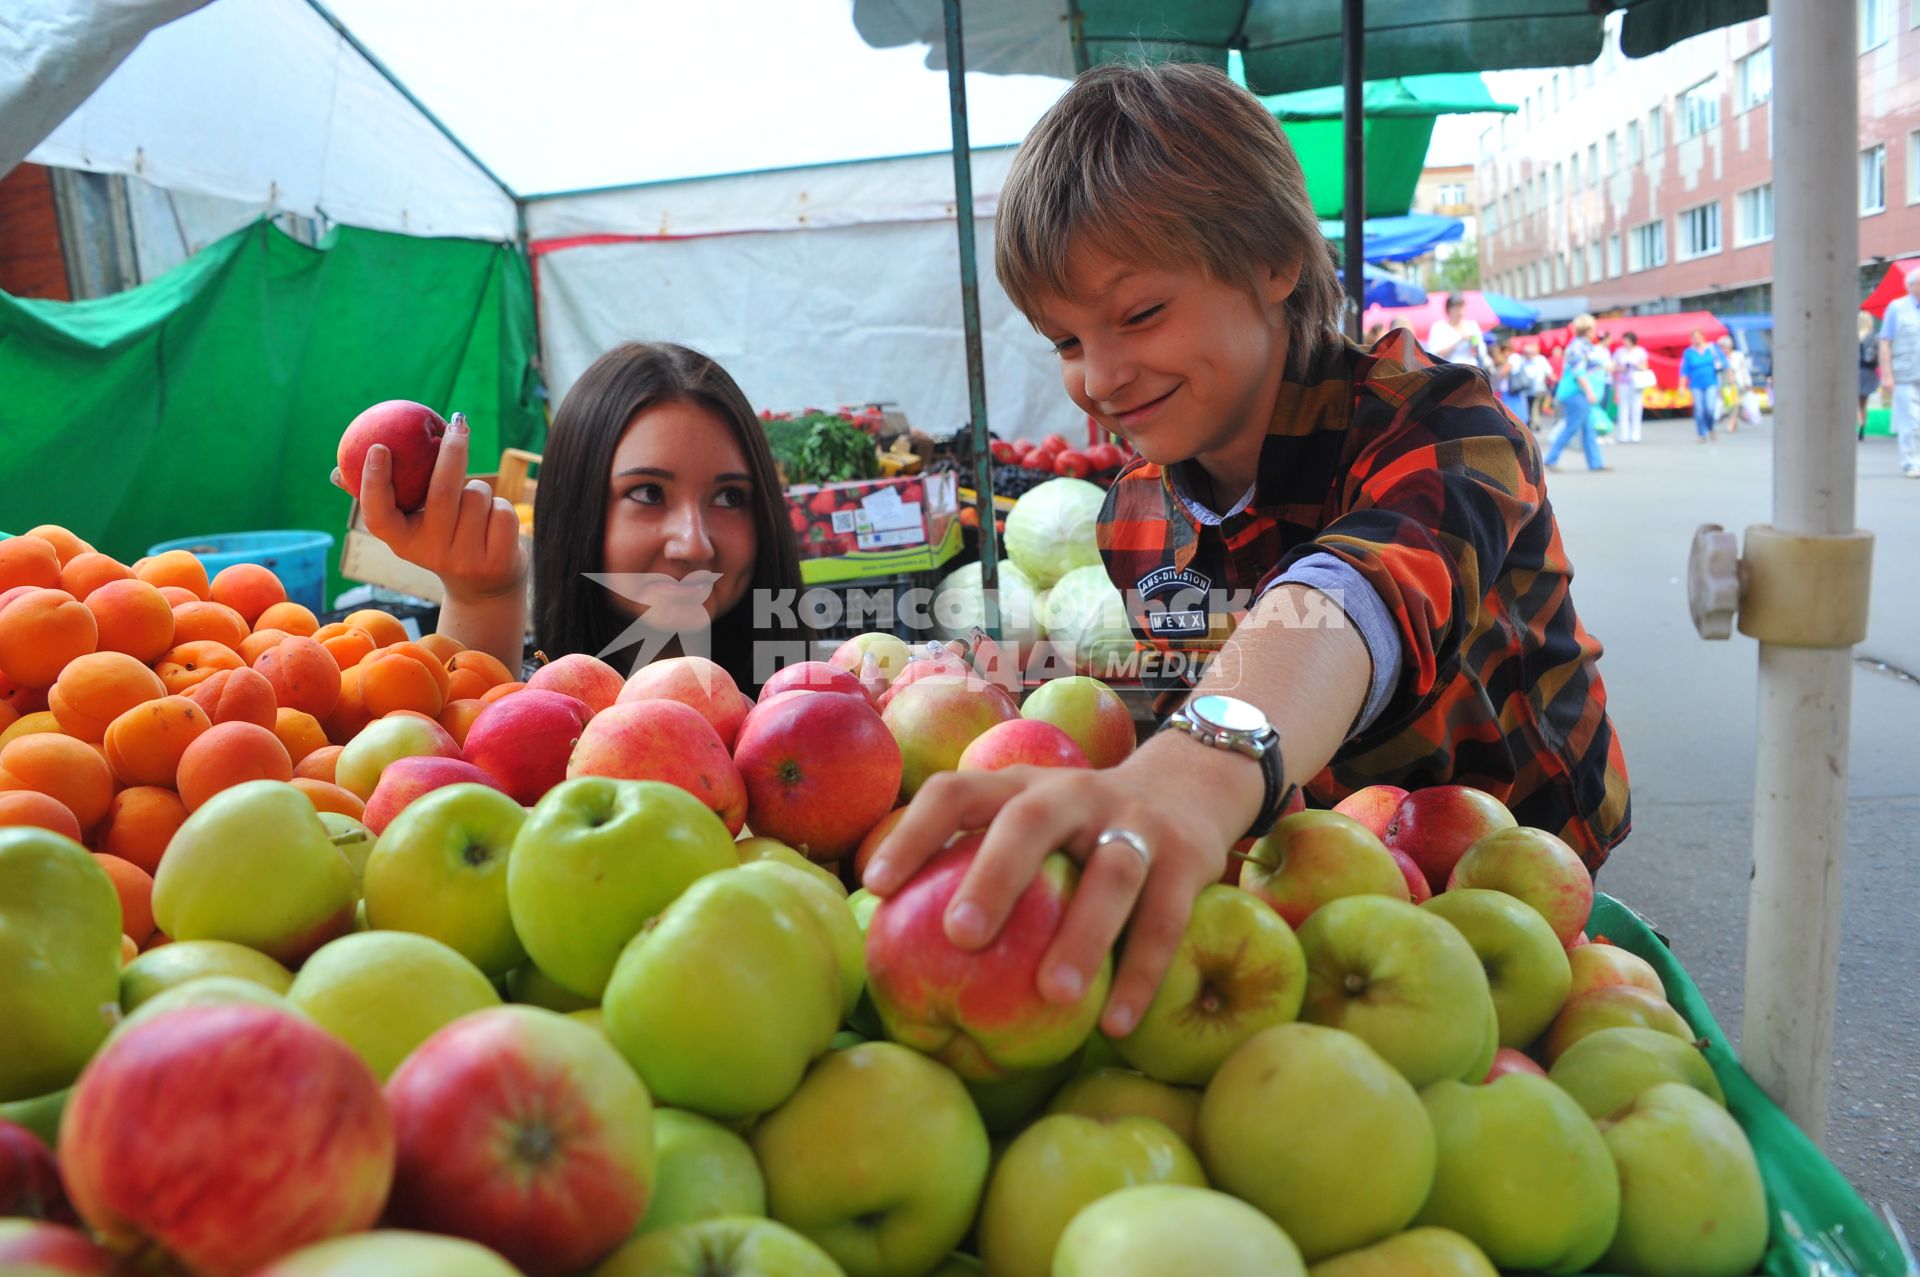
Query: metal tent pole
x,y
1353,30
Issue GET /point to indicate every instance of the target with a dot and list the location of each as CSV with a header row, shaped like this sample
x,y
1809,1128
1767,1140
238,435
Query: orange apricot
x,y
498,690
187,665
28,561
258,643
327,796
247,588
22,700
28,724
458,716
132,617
294,618
237,696
349,713
384,627
300,732
88,571
144,744
444,649
175,569
175,595
61,767
42,811
215,622
40,632
229,754
349,647
319,765
65,543
135,888
472,672
393,681
139,825
303,674
97,688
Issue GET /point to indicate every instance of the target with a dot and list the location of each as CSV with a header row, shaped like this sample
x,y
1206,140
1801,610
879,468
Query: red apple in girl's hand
x,y
411,434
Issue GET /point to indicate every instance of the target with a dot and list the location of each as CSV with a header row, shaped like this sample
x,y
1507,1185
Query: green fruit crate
x,y
1820,1226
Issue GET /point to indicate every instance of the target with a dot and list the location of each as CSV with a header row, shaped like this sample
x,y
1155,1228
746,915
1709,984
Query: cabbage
x,y
1087,623
1050,530
959,604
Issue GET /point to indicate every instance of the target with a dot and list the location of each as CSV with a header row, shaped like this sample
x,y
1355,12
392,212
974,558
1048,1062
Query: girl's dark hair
x,y
571,614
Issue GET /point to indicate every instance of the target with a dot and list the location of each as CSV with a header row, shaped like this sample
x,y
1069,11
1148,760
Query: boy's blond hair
x,y
1167,164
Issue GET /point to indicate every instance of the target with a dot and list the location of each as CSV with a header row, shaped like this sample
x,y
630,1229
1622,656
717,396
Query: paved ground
x,y
1685,711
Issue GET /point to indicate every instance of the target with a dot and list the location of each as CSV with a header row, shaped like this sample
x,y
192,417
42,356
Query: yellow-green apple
x,y
526,1132
585,678
958,1265
758,848
1522,1173
828,909
1373,806
1021,741
697,683
1534,866
38,1248
207,991
1238,970
1405,981
1526,966
942,663
874,837
354,840
391,1252
1062,1164
225,1137
819,772
1087,710
1507,1060
595,860
1611,1006
1594,966
523,740
171,965
387,740
727,1246
879,1157
383,993
1173,1230
1691,1196
812,676
1110,1092
1418,1252
1436,825
889,655
1311,857
935,719
530,986
701,1170
405,780
1605,1071
736,1041
1313,1127
255,864
410,432
30,1178
440,869
59,947
664,741
39,1114
1007,1104
979,1011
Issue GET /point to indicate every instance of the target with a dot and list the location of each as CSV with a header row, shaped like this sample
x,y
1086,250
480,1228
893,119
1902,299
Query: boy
x,y
1359,538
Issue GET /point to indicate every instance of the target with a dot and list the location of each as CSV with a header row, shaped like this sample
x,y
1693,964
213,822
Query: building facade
x,y
1448,190
1647,185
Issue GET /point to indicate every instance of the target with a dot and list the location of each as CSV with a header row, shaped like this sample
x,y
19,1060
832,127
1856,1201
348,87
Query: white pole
x,y
1805,700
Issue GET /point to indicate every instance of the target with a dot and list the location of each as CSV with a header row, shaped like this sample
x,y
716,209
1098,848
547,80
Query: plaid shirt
x,y
1408,470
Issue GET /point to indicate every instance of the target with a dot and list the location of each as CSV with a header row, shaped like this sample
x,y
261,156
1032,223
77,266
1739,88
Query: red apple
x,y
411,434
921,667
1374,807
226,1136
405,779
820,771
523,740
587,678
524,1131
1436,825
1018,742
36,1248
664,741
1579,941
1087,710
1311,857
1507,1060
1595,966
871,843
696,682
1417,888
936,719
812,676
1536,867
30,1178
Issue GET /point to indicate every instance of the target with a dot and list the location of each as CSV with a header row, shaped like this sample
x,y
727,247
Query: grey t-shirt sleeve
x,y
1338,580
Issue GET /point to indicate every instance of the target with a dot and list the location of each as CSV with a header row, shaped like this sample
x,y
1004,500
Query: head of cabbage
x,y
1087,624
959,604
1050,530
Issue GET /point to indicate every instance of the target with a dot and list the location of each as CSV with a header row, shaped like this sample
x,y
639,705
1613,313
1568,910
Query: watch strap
x,y
1278,792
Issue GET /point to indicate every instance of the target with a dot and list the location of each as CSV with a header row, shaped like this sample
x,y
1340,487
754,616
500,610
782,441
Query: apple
x,y
526,1132
404,780
60,934
820,771
1404,981
410,432
440,870
812,676
979,1011
1606,1071
172,965
1156,1230
1611,1007
365,758
354,840
226,1136
530,986
879,1157
1007,1104
727,1246
1526,966
1691,1196
383,993
1507,1060
829,909
1110,1092
585,678
1374,806
30,1178
207,991
871,843
889,653
1595,966
935,720
1238,970
523,740
391,1252
734,1042
1021,742
1436,825
702,1170
696,682
1087,710
1536,867
942,663
255,865
1418,892
596,859
756,848
1418,1252
1311,857
663,741
38,1248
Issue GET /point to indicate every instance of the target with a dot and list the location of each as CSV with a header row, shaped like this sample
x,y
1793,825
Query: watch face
x,y
1227,713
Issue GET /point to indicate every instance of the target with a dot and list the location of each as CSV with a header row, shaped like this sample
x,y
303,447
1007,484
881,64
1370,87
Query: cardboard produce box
x,y
364,557
875,527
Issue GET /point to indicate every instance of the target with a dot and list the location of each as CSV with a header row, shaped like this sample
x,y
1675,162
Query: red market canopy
x,y
1424,316
1665,338
1892,284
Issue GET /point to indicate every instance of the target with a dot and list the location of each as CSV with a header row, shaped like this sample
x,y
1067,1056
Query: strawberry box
x,y
874,527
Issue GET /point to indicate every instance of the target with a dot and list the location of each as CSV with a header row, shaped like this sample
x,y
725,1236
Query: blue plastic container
x,y
298,558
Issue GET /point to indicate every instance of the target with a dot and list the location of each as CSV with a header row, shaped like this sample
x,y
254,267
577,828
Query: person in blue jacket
x,y
1700,368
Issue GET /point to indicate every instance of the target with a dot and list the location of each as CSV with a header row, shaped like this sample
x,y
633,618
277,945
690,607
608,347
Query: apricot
x,y
471,672
349,713
247,588
384,627
260,642
303,674
89,570
65,543
97,688
349,647
215,622
42,811
175,569
29,561
145,743
229,754
443,648
327,796
242,696
40,632
187,665
140,823
132,617
22,700
175,595
393,680
319,765
499,690
28,724
458,716
294,618
61,767
300,732
135,888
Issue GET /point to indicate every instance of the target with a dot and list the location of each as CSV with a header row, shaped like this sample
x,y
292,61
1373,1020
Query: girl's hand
x,y
464,535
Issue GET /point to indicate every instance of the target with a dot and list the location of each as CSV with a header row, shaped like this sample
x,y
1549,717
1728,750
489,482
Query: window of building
x,y
1559,271
1559,182
1753,216
1553,92
1656,130
1873,179
1490,218
1700,108
1913,156
1753,79
1576,273
1647,247
1613,256
1699,231
1593,164
1635,151
1876,23
1593,262
1610,158
1452,194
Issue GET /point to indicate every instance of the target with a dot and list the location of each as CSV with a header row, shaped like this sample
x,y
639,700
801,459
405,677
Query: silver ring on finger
x,y
1130,840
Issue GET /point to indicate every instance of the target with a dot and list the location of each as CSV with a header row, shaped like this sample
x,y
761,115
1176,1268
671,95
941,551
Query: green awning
x,y
1407,97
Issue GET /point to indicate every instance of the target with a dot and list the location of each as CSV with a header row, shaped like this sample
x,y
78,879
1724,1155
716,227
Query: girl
x,y
1869,369
1510,378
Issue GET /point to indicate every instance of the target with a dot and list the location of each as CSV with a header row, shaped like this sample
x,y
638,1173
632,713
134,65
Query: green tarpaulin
x,y
212,398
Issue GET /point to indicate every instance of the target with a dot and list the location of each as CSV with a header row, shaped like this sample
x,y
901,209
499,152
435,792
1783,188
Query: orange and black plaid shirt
x,y
1407,470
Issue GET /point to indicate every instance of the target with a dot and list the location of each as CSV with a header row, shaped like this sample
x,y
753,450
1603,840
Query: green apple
x,y
1405,981
702,1170
1691,1197
60,950
530,986
386,740
41,1114
1311,857
1239,969
208,990
174,964
879,1157
1522,1173
1006,1104
1526,967
1418,1252
890,654
1111,1092
1612,1006
863,903
385,992
1060,1165
842,933
1313,1127
1605,1071
391,1252
1087,710
440,869
354,840
256,865
1174,1230
752,849
598,857
729,1246
958,1265
735,1041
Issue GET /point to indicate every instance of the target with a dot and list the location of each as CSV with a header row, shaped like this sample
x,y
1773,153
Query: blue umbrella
x,y
1512,312
1387,290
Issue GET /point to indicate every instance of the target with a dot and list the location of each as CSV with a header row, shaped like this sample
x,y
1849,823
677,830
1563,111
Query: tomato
x,y
1004,452
1073,465
1056,443
969,516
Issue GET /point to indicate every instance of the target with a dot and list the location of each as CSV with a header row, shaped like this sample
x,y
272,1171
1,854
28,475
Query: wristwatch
x,y
1226,722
